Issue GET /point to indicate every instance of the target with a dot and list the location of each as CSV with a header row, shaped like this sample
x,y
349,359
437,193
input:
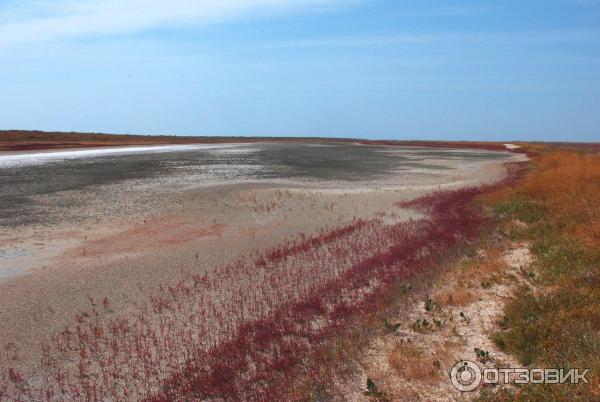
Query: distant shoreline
x,y
24,140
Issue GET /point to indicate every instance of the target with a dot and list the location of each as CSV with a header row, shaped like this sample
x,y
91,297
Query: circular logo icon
x,y
465,376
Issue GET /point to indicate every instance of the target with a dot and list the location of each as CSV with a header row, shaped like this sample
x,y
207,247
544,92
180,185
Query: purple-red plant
x,y
244,331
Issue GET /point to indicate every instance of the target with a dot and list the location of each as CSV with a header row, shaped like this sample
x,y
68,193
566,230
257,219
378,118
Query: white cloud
x,y
34,21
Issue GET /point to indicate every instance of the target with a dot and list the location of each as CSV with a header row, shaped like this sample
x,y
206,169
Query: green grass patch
x,y
555,322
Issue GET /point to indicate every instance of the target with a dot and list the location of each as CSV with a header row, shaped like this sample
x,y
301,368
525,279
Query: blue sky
x,y
427,69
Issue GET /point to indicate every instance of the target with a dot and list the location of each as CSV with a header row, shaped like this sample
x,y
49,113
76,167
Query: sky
x,y
381,69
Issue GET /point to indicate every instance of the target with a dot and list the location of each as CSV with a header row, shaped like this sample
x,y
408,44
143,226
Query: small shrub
x,y
390,328
372,390
422,325
482,355
430,305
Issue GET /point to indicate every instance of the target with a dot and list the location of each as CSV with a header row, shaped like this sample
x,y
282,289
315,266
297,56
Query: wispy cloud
x,y
34,21
424,39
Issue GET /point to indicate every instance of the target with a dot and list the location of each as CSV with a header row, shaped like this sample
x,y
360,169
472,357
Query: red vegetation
x,y
245,331
492,146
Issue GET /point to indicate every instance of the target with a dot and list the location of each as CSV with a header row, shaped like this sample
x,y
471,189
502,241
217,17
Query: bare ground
x,y
413,362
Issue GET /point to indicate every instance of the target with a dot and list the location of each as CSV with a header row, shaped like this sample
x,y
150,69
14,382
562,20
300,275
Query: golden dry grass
x,y
413,364
459,296
567,185
557,325
468,277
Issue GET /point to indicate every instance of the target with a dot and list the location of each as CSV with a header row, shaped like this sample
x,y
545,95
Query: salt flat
x,y
119,223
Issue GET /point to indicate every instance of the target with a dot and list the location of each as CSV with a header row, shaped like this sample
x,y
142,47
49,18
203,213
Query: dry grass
x,y
469,276
492,263
459,296
413,364
566,184
557,325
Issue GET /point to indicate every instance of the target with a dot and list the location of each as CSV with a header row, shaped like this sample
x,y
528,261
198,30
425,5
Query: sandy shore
x,y
123,240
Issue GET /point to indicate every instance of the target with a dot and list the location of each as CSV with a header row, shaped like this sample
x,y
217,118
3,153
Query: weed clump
x,y
372,390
